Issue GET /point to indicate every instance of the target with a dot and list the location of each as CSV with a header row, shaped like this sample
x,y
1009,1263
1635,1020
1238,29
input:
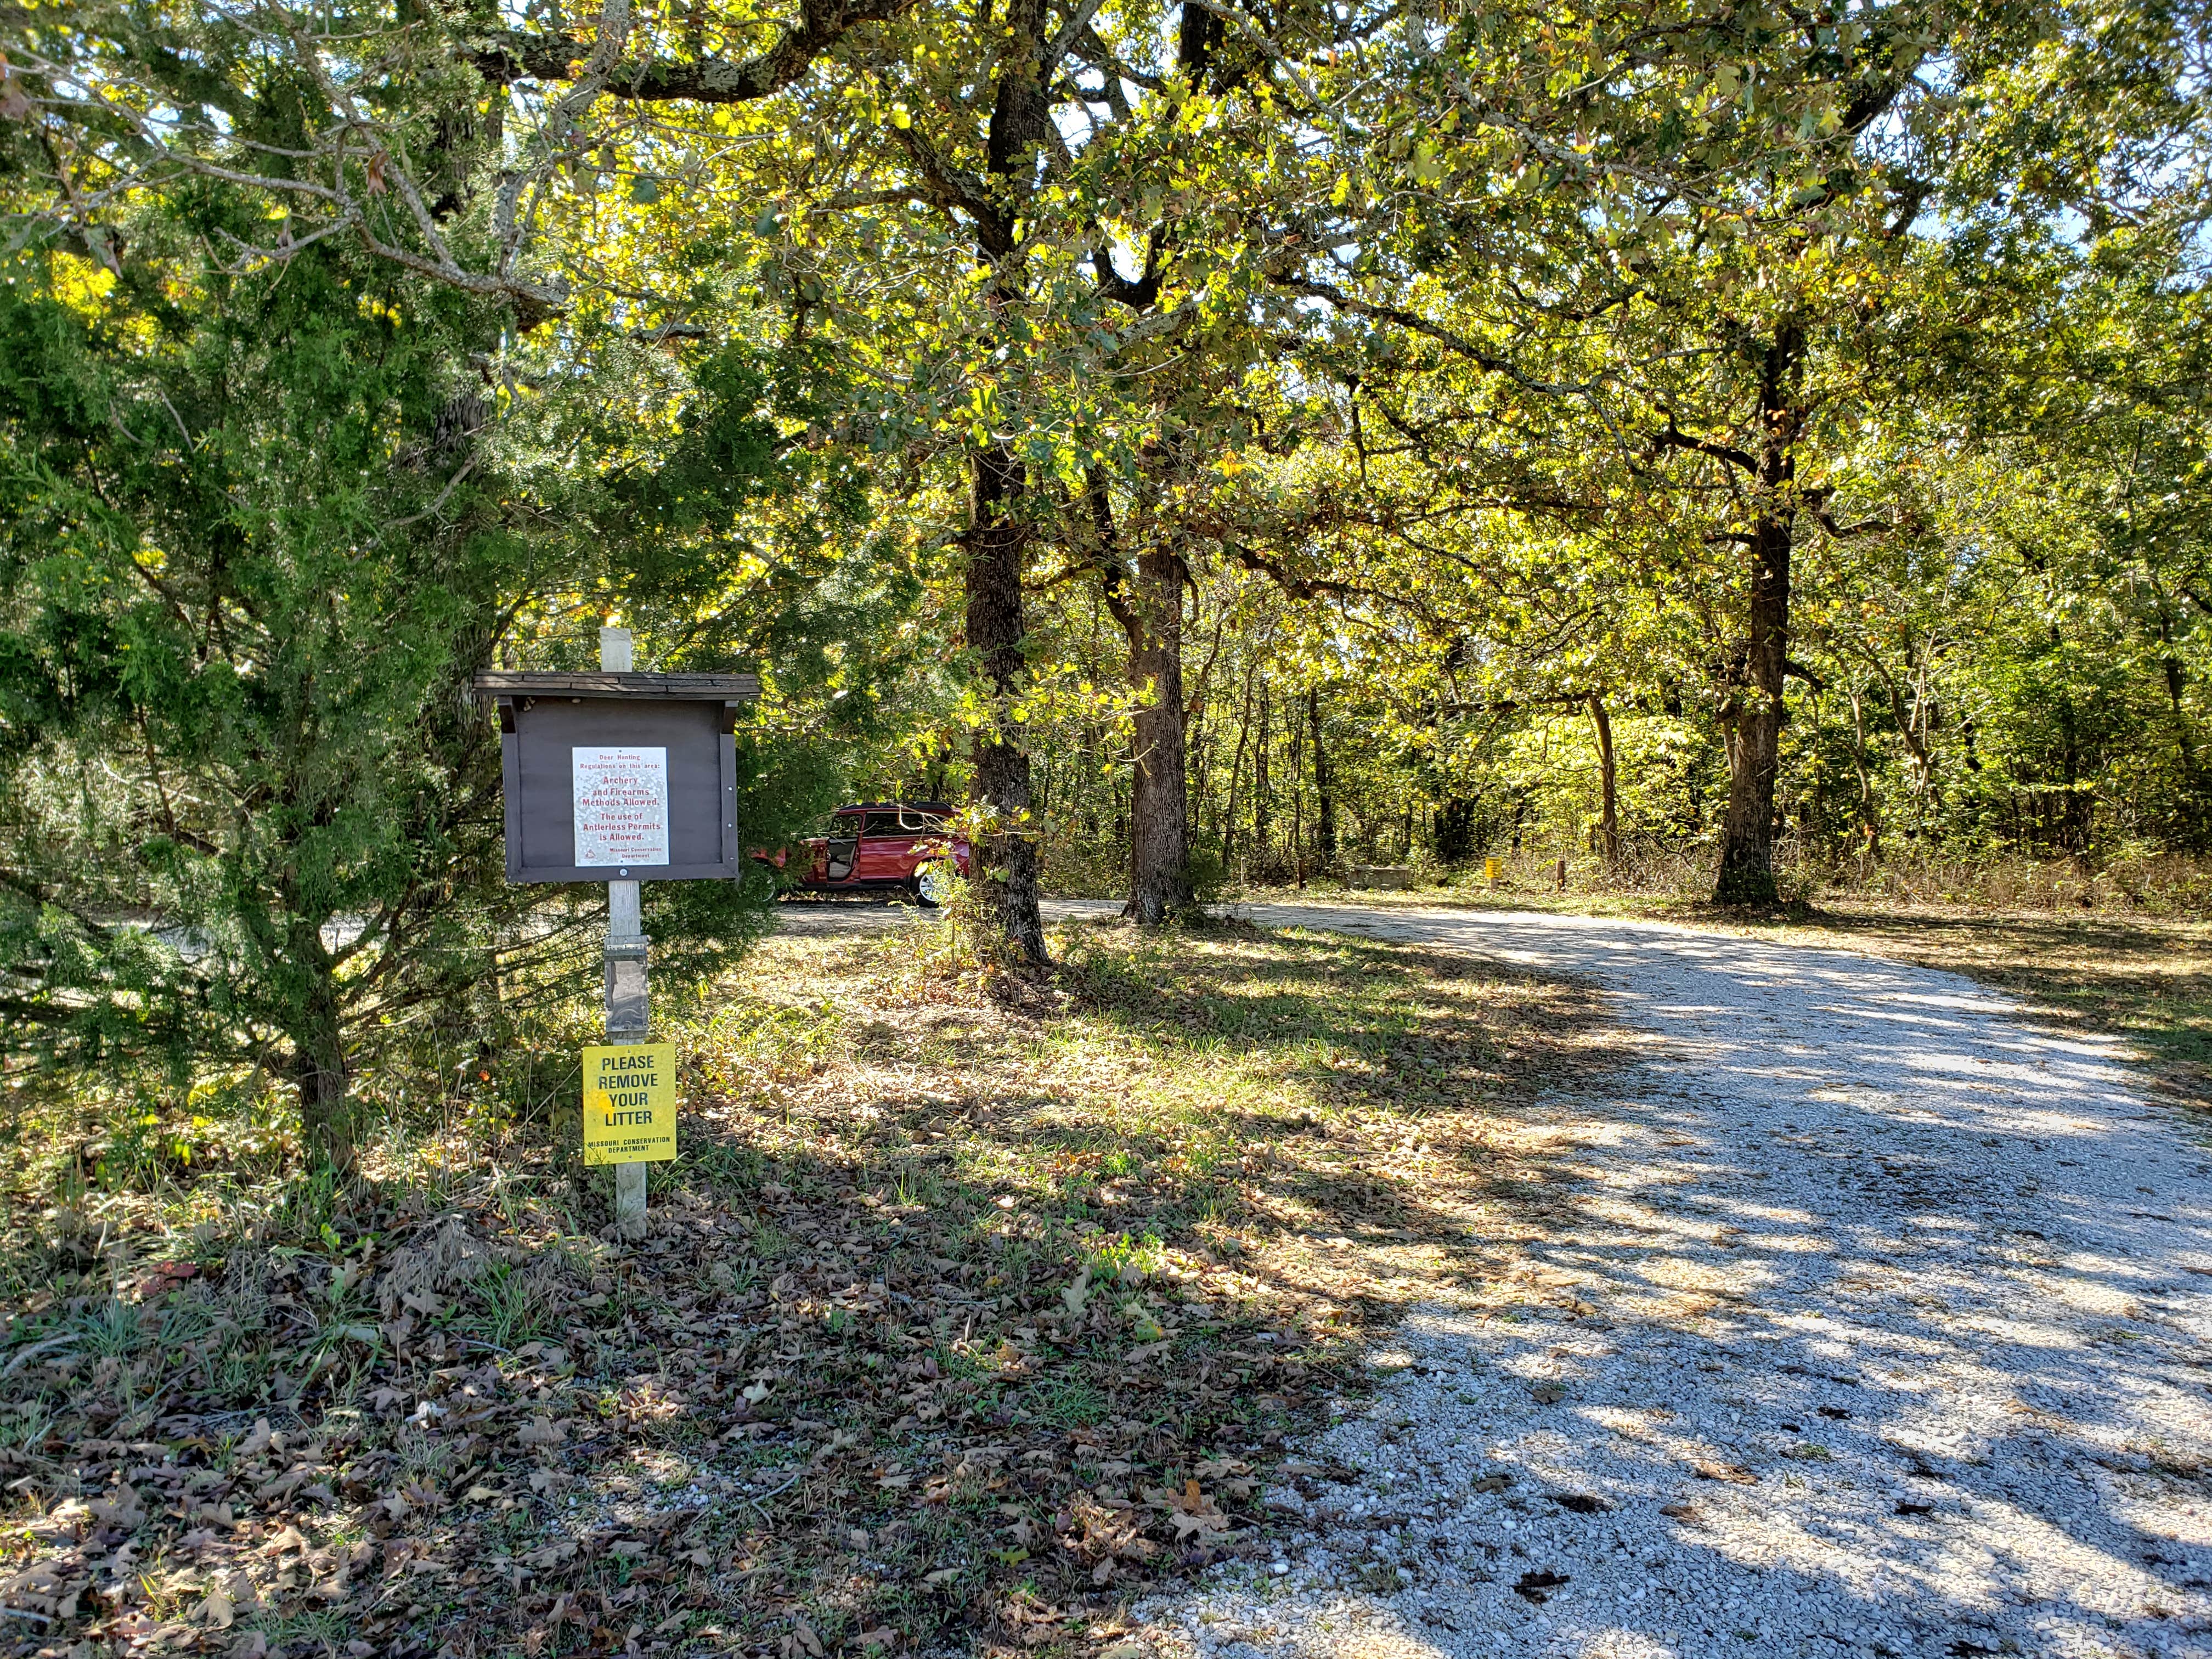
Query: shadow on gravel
x,y
1888,1327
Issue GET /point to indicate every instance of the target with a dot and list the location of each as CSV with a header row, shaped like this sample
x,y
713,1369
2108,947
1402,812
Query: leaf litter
x,y
971,1317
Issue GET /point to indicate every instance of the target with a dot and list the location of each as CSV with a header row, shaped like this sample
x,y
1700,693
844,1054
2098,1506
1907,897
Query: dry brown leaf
x,y
1736,1474
1193,1513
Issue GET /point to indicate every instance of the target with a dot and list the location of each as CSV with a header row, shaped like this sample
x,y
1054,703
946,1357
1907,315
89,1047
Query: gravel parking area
x,y
1877,1327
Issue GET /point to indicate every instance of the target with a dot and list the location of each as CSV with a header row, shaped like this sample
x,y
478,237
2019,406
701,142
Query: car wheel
x,y
933,883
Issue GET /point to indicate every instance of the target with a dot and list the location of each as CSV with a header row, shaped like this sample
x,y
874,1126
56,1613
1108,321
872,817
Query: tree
x,y
252,555
1649,274
266,514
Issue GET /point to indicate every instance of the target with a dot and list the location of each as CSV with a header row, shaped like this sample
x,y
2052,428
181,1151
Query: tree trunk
x,y
1754,738
1260,791
2177,680
995,539
1236,780
1161,884
1151,621
1869,818
1608,819
1324,788
319,1065
998,534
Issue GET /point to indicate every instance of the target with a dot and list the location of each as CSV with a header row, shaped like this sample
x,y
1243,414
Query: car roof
x,y
937,806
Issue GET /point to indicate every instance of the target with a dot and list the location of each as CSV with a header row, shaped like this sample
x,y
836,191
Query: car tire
x,y
933,883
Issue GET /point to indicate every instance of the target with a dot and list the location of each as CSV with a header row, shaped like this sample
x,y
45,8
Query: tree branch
x,y
1674,438
506,59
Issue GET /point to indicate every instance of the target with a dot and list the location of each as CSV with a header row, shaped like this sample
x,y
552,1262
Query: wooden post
x,y
625,959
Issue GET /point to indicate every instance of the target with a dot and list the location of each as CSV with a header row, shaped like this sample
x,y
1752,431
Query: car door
x,y
886,846
842,850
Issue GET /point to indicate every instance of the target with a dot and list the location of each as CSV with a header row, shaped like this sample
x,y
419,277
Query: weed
x,y
1128,1259
507,1311
1071,1405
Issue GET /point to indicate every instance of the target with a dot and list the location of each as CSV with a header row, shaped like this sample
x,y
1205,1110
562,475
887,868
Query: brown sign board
x,y
619,776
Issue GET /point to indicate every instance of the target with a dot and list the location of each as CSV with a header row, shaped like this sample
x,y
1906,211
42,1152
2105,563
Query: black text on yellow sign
x,y
630,1104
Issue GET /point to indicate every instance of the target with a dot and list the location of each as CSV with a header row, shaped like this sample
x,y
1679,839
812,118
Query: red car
x,y
881,847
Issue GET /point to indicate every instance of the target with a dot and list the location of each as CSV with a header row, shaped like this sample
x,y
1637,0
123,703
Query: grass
x,y
975,1304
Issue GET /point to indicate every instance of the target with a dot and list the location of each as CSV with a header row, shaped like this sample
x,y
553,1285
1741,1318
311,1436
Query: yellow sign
x,y
1490,869
630,1104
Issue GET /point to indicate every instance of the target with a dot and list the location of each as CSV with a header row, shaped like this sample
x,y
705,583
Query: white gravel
x,y
1955,1355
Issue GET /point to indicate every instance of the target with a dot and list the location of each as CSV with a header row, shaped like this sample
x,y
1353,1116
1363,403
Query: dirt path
x,y
1894,1344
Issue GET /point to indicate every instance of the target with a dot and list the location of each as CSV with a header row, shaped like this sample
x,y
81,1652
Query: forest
x,y
1736,447
1727,456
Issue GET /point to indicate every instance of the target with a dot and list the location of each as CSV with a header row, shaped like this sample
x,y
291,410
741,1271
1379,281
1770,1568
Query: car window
x,y
886,824
845,823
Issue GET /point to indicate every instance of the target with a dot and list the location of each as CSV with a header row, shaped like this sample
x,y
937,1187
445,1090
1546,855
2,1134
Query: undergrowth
x,y
976,1302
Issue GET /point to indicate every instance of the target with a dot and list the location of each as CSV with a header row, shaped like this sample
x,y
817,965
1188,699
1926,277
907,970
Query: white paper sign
x,y
621,806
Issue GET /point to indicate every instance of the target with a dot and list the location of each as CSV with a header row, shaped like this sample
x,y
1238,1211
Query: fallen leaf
x,y
1547,1394
1075,1294
1193,1513
217,1610
1734,1474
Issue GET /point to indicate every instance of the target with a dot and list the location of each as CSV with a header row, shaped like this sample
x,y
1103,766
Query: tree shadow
x,y
1886,1323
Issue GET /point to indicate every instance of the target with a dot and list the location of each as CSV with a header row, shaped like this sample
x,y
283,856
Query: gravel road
x,y
1894,1344
1891,1342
